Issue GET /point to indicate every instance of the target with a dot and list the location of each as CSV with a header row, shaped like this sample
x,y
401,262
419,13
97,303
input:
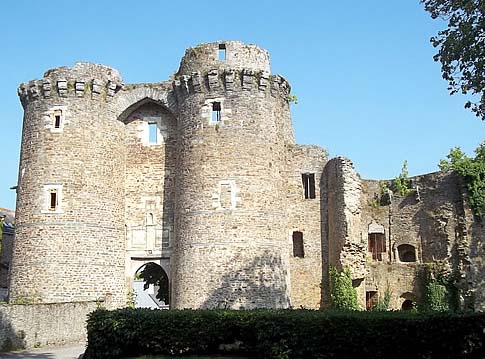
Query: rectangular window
x,y
371,299
216,112
152,132
298,250
377,245
222,52
53,200
57,118
308,180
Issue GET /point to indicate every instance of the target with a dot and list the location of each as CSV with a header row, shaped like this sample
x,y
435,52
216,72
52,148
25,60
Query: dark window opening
x,y
57,121
407,305
371,299
57,118
298,250
308,180
377,245
53,201
216,112
222,52
406,253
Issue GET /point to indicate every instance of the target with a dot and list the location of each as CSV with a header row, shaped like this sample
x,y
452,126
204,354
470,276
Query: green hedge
x,y
298,334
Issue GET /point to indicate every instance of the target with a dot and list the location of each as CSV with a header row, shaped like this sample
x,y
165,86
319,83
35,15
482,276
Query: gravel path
x,y
71,352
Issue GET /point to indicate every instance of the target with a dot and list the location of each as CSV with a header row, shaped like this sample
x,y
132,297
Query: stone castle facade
x,y
201,175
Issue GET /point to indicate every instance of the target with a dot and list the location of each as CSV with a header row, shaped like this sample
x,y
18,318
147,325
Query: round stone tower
x,y
70,242
231,245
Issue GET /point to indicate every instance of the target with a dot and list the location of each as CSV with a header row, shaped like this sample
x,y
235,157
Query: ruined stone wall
x,y
471,258
342,245
37,325
430,221
305,215
231,244
150,183
75,251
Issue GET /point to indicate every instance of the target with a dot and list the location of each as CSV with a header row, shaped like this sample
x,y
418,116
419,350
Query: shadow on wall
x,y
9,338
260,284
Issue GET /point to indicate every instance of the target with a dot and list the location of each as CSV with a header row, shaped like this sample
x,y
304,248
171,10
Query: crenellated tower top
x,y
82,80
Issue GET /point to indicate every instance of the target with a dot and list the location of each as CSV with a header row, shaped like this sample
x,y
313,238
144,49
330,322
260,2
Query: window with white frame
x,y
52,199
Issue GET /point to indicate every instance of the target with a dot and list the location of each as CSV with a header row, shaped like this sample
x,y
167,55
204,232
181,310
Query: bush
x,y
295,334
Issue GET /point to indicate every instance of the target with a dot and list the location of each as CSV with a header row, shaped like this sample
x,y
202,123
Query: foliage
x,y
153,274
343,295
461,47
439,290
401,184
295,334
131,299
383,304
472,170
293,99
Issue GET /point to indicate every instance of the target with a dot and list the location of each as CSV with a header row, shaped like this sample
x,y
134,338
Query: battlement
x,y
83,80
232,80
224,54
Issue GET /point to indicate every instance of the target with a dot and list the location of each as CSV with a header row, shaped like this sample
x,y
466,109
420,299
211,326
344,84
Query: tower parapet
x,y
83,80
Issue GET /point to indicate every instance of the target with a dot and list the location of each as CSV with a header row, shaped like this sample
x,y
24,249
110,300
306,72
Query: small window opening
x,y
377,245
298,250
152,132
216,112
371,299
53,200
222,52
57,119
406,253
308,180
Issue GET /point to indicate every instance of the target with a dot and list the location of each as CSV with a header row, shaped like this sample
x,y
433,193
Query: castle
x,y
201,175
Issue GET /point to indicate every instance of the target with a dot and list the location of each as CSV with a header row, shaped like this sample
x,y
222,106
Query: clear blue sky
x,y
363,72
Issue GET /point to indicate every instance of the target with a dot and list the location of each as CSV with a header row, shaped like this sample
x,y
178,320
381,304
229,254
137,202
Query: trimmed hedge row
x,y
295,334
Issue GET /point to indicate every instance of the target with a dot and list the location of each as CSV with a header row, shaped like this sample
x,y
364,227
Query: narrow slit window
x,y
53,200
308,180
216,112
222,52
298,250
152,133
57,119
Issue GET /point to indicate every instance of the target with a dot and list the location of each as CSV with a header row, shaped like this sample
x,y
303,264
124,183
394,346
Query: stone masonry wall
x,y
231,244
305,215
341,243
37,325
431,222
76,251
150,184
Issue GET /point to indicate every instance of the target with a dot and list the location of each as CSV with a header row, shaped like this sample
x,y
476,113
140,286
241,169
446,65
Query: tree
x,y
343,295
462,48
152,273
